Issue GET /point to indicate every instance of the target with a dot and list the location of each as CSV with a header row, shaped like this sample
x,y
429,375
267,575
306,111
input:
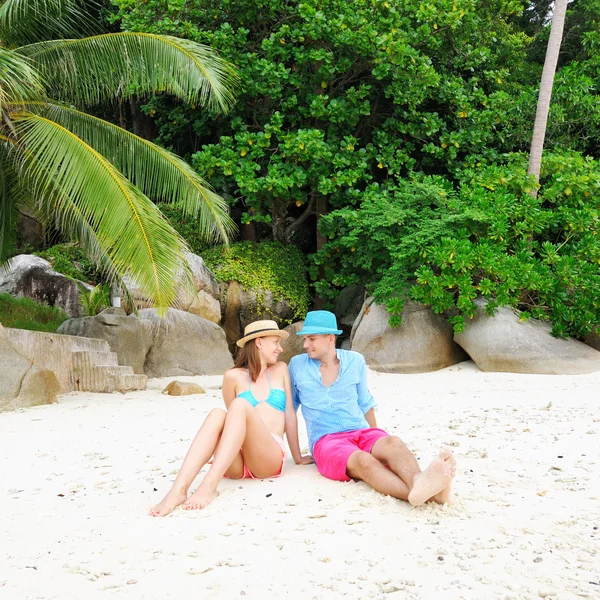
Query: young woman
x,y
247,438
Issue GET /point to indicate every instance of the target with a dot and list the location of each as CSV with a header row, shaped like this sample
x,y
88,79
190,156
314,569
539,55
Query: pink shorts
x,y
248,474
332,451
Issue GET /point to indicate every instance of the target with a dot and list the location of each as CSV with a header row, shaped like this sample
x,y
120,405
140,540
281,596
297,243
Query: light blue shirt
x,y
339,407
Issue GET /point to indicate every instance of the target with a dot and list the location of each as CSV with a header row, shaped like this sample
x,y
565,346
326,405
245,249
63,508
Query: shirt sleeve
x,y
365,400
295,396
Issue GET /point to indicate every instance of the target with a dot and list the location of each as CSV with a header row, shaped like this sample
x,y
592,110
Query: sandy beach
x,y
79,477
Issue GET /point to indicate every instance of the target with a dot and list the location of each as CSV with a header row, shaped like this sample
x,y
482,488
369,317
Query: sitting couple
x,y
261,397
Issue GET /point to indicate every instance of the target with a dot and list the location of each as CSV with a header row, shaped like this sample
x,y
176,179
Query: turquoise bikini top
x,y
275,399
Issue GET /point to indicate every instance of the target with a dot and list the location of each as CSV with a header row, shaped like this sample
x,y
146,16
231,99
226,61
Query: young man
x,y
331,387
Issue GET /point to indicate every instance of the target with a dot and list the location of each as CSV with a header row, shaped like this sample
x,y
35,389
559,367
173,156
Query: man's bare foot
x,y
444,496
201,498
171,501
431,482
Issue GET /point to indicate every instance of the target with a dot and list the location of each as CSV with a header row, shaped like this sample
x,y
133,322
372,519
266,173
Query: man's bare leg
x,y
392,451
434,483
367,468
243,429
444,496
201,449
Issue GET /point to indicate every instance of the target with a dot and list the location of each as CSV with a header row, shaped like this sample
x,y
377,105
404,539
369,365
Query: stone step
x,y
86,359
128,383
104,378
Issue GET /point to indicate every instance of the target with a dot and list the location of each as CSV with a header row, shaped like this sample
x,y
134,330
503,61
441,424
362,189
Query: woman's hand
x,y
305,460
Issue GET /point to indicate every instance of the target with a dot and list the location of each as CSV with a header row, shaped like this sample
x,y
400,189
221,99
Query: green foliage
x,y
371,110
336,95
25,313
95,300
186,227
490,238
71,260
263,266
539,255
381,243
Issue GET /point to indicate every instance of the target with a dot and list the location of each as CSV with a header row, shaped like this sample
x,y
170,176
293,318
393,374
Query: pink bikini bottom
x,y
247,474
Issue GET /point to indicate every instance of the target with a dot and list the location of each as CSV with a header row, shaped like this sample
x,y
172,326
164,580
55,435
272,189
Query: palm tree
x,y
547,82
92,179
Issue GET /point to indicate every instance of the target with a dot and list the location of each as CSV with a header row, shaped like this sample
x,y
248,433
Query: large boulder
x,y
423,342
23,383
32,277
184,344
203,299
293,345
127,336
241,307
503,343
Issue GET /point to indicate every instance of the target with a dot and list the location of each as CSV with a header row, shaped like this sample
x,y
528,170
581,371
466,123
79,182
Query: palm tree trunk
x,y
543,106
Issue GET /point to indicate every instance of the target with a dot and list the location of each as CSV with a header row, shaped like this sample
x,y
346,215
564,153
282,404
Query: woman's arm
x,y
291,424
229,387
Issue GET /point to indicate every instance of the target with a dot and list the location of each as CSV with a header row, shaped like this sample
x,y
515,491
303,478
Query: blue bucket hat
x,y
320,322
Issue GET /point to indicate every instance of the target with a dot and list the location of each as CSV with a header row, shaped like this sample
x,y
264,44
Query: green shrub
x,y
539,255
71,260
263,266
489,238
25,313
380,243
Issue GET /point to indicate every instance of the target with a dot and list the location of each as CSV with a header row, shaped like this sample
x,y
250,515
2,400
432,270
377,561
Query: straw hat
x,y
261,329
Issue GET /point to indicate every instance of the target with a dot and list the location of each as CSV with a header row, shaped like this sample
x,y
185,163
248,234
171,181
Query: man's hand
x,y
306,460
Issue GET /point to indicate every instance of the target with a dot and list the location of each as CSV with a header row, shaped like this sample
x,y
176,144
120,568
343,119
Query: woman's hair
x,y
249,358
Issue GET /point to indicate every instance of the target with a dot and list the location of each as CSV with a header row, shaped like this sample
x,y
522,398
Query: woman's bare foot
x,y
201,498
436,478
171,501
444,496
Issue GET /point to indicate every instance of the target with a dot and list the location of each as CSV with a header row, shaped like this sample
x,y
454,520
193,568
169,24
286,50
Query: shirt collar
x,y
338,353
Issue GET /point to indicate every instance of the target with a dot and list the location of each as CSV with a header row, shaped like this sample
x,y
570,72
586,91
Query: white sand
x,y
78,479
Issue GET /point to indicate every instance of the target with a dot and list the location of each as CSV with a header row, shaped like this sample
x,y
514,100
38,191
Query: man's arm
x,y
366,402
371,419
291,423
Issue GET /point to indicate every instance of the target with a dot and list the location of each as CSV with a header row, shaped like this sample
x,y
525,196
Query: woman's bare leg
x,y
243,429
201,449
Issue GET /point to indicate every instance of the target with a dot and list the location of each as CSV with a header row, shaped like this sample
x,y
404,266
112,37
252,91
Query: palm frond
x,y
19,81
25,21
158,173
101,68
126,225
9,205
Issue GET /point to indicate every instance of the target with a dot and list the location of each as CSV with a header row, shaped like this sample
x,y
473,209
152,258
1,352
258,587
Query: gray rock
x,y
241,307
32,277
127,336
422,343
593,340
184,344
200,296
348,304
502,343
204,280
293,345
23,383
